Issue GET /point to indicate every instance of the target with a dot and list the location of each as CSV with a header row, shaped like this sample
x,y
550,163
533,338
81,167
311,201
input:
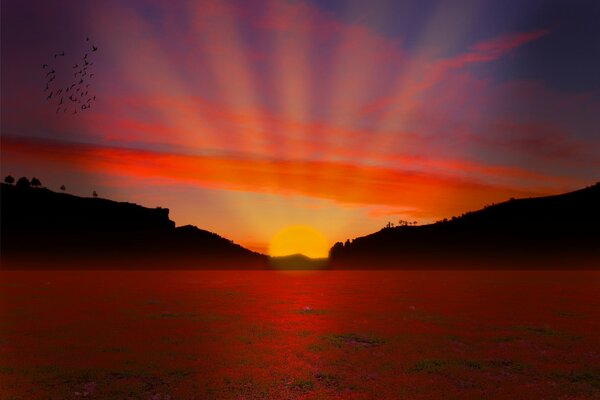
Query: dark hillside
x,y
44,228
551,231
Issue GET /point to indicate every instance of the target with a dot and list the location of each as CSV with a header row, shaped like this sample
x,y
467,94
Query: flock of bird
x,y
73,95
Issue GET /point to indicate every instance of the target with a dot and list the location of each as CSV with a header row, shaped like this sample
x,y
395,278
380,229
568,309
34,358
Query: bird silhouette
x,y
76,91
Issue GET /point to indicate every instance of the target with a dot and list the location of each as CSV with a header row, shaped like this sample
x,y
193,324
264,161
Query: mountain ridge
x,y
534,231
39,224
45,229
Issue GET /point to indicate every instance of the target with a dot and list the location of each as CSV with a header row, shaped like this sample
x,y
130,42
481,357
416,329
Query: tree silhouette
x,y
95,194
35,182
23,182
9,179
63,188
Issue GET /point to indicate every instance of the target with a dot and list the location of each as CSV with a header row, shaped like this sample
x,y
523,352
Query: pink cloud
x,y
434,71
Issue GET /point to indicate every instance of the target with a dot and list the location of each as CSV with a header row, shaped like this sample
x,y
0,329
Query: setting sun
x,y
299,239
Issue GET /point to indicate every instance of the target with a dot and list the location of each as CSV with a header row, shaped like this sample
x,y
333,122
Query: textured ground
x,y
296,335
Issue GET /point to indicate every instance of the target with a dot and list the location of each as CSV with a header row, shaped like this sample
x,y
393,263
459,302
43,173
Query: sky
x,y
247,117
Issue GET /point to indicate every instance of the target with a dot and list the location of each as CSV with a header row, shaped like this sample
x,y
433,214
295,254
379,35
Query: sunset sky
x,y
246,117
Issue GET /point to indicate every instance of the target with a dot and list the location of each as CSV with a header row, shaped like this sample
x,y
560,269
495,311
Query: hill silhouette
x,y
298,261
561,231
45,229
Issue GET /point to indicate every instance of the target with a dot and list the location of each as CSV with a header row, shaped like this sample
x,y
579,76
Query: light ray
x,y
407,84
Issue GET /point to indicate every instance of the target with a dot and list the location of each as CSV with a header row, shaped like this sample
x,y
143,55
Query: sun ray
x,y
291,28
354,71
192,124
386,130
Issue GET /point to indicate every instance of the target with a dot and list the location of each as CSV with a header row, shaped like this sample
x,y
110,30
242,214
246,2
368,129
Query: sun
x,y
299,239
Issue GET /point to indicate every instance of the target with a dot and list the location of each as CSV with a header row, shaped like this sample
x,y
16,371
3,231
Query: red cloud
x,y
341,182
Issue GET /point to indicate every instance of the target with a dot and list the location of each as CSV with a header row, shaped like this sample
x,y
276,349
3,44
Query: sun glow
x,y
299,239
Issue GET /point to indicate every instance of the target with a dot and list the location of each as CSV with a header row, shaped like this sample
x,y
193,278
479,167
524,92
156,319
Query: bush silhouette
x,y
9,179
23,182
35,182
63,188
95,194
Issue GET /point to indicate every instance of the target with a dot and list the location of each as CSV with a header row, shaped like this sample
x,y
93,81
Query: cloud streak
x,y
344,183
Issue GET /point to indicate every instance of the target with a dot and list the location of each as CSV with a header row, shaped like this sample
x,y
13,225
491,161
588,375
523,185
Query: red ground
x,y
289,335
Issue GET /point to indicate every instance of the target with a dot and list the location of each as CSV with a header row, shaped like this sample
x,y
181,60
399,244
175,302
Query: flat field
x,y
160,335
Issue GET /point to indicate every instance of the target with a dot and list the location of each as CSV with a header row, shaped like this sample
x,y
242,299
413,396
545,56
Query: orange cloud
x,y
341,182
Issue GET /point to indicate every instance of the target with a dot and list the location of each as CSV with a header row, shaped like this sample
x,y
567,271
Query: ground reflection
x,y
275,334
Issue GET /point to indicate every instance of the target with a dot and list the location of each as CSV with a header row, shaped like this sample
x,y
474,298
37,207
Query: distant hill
x,y
44,229
561,231
298,261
